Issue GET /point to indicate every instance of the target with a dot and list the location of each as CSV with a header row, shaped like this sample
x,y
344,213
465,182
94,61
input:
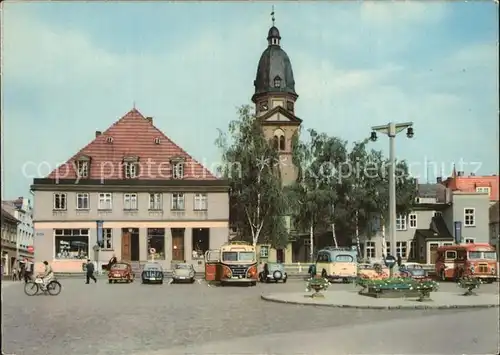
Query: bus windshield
x,y
488,255
344,258
238,256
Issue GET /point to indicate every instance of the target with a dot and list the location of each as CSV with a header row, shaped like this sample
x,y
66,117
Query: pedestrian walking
x,y
90,272
14,274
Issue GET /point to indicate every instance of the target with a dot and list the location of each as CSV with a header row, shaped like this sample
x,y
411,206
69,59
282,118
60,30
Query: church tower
x,y
274,100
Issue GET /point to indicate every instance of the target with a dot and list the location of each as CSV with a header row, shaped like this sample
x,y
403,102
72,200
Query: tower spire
x,y
272,15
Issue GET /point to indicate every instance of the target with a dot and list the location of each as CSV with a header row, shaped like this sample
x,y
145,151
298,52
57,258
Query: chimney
x,y
460,173
472,174
97,133
439,180
149,119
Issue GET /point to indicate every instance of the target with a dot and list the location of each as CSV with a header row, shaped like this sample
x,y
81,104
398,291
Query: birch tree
x,y
251,166
312,195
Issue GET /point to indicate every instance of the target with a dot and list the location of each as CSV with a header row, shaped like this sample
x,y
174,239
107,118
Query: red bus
x,y
475,260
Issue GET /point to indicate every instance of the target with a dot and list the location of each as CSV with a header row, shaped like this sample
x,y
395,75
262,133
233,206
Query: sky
x,y
69,69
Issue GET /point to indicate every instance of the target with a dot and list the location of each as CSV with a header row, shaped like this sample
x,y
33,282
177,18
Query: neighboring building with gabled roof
x,y
134,193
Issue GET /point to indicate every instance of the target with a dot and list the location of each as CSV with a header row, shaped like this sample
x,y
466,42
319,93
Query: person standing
x,y
90,272
111,262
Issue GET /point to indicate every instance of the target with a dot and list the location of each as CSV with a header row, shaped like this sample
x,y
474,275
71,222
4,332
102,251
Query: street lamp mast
x,y
391,130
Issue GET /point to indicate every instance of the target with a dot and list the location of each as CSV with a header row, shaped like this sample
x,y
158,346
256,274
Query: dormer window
x,y
277,82
177,168
131,167
82,167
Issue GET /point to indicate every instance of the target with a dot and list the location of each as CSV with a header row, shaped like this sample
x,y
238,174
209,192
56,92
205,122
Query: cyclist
x,y
47,276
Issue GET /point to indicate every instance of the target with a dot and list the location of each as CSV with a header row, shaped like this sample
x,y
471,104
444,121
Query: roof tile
x,y
133,136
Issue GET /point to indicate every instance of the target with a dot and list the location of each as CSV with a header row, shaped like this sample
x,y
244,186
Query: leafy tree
x,y
365,196
257,203
311,196
354,181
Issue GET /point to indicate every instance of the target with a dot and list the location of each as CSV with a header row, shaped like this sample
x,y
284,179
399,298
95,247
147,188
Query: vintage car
x,y
183,273
120,272
273,272
413,270
373,271
152,273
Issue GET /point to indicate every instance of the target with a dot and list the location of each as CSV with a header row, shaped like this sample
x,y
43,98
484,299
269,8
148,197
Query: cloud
x,y
391,14
351,63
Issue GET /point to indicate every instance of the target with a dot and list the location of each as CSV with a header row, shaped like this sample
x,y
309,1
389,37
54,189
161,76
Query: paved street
x,y
150,320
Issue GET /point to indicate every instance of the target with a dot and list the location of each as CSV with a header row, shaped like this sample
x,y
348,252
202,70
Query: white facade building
x,y
23,211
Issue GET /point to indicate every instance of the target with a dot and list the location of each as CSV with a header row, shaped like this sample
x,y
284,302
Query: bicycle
x,y
33,287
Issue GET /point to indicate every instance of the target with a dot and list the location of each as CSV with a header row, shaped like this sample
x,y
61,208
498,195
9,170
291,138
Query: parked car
x,y
373,271
121,272
152,273
183,273
413,270
273,271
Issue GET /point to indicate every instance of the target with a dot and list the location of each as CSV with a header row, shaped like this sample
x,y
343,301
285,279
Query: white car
x,y
183,273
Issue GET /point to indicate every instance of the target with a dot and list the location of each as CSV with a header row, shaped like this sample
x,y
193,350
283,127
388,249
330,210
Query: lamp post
x,y
391,130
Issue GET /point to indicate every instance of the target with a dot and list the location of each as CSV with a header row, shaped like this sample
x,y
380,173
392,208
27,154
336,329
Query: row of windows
x,y
130,201
74,243
401,249
131,170
403,222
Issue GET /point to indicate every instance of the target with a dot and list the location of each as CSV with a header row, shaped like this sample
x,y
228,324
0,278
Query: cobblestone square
x,y
166,319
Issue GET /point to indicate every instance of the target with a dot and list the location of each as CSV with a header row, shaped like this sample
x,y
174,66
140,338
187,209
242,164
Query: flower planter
x,y
397,288
469,284
317,285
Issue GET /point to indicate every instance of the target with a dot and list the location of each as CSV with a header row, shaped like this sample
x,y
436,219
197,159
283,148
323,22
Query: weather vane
x,y
272,15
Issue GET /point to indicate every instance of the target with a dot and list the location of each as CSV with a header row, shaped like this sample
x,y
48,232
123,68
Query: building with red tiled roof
x,y
131,192
488,184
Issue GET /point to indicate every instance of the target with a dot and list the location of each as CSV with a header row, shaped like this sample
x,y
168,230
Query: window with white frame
x,y
130,201
131,170
413,220
401,222
107,239
200,202
82,201
264,251
469,240
483,189
370,250
401,249
469,217
82,168
105,201
388,248
178,170
177,202
60,202
155,201
71,243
